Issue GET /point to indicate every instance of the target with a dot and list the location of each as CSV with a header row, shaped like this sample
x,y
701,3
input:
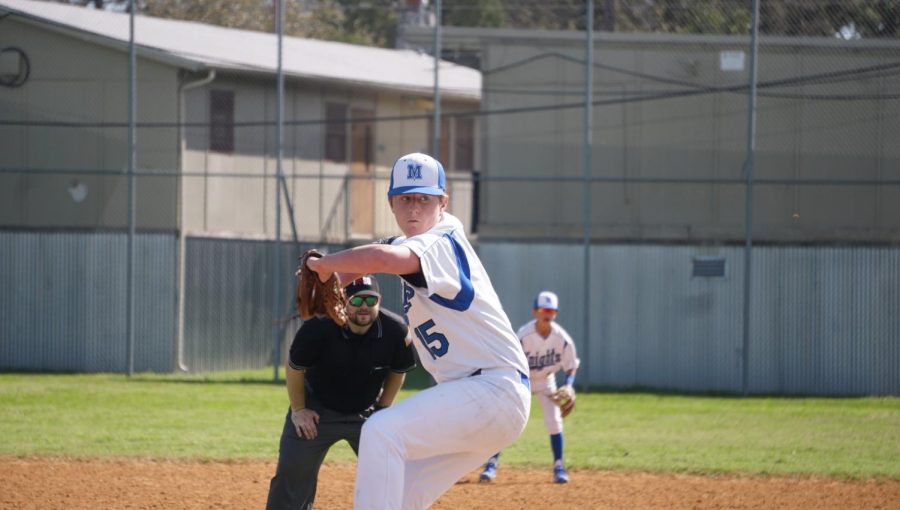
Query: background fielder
x,y
549,349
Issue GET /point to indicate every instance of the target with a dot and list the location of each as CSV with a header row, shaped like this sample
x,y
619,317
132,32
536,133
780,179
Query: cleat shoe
x,y
489,473
560,475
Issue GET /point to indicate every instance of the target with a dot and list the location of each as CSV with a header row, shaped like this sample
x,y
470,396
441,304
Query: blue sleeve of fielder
x,y
570,379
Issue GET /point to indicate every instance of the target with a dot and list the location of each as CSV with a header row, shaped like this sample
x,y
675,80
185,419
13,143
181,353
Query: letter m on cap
x,y
413,171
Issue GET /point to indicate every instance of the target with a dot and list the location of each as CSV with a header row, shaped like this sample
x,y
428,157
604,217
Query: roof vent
x,y
709,267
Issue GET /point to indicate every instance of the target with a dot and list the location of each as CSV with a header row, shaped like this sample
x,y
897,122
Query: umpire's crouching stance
x,y
336,378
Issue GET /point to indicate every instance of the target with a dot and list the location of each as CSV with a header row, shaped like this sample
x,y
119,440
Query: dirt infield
x,y
48,483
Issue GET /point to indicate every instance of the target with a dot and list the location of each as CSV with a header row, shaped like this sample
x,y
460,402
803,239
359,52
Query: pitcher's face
x,y
416,213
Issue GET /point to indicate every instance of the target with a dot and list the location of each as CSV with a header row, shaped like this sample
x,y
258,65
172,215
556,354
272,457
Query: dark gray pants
x,y
294,484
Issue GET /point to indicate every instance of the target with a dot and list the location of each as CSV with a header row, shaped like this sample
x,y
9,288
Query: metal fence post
x,y
436,141
748,206
586,188
132,156
279,142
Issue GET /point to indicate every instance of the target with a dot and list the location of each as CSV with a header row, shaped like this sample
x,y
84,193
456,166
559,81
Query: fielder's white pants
x,y
552,415
414,451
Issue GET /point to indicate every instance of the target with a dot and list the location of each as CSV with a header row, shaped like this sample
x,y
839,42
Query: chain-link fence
x,y
746,160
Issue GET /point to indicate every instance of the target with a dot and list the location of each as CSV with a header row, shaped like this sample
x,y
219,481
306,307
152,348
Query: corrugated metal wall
x,y
63,301
228,322
824,319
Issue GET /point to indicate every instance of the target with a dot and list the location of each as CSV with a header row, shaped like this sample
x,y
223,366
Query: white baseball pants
x,y
543,389
414,451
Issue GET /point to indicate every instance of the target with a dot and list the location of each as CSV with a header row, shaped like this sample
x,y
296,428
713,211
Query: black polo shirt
x,y
346,371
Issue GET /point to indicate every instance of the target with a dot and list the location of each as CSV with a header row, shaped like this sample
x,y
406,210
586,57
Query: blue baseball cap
x,y
546,299
417,173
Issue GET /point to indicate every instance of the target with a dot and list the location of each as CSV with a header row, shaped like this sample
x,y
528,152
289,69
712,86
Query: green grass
x,y
855,438
239,415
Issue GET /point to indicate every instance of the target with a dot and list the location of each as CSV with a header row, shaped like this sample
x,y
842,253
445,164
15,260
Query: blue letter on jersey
x,y
538,361
408,294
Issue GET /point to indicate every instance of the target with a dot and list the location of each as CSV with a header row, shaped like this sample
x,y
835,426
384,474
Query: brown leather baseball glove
x,y
318,299
565,399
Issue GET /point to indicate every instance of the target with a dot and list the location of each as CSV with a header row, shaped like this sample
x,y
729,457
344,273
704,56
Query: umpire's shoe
x,y
560,475
489,473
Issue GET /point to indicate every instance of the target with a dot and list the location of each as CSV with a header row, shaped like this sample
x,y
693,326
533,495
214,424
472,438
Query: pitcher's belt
x,y
522,377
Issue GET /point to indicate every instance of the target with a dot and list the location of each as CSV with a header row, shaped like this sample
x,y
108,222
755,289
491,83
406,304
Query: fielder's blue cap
x,y
546,299
417,173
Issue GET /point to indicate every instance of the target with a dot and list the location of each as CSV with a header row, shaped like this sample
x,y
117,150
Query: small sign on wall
x,y
732,61
708,267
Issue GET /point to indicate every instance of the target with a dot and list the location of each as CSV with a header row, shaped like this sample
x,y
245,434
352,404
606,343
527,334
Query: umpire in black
x,y
336,378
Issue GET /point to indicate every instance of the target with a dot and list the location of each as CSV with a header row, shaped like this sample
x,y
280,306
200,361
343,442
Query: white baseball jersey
x,y
547,356
456,317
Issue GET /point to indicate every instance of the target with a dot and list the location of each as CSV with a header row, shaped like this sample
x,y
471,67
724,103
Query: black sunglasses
x,y
359,300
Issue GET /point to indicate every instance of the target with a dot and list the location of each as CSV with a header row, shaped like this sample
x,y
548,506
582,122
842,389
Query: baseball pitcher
x,y
414,451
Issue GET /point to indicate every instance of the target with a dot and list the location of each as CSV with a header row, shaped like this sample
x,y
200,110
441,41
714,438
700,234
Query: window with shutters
x,y
457,140
444,156
221,120
464,146
336,132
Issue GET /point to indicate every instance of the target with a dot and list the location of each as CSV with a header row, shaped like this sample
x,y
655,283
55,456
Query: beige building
x,y
670,136
206,137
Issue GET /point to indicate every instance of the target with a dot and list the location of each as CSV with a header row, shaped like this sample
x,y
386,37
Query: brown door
x,y
362,184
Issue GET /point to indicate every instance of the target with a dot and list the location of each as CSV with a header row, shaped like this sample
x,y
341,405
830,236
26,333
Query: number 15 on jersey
x,y
436,343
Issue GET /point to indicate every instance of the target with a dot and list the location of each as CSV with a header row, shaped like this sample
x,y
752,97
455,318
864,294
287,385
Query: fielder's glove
x,y
317,299
565,399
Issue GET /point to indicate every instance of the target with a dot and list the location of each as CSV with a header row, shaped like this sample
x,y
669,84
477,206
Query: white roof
x,y
197,45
